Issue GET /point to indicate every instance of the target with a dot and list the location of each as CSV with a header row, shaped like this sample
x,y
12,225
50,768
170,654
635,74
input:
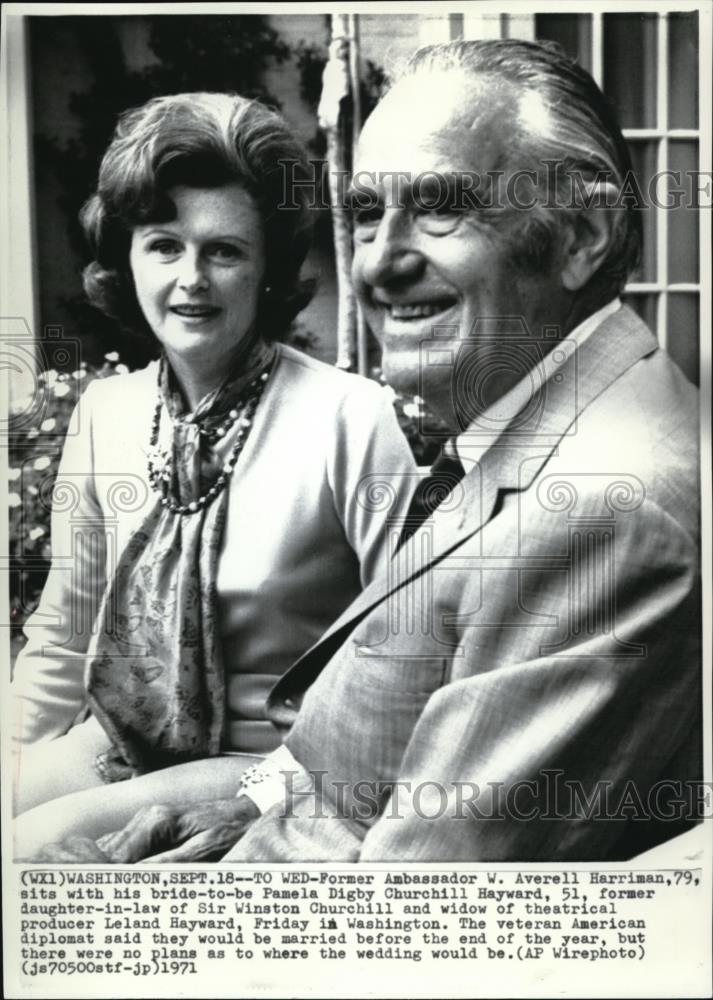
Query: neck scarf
x,y
155,676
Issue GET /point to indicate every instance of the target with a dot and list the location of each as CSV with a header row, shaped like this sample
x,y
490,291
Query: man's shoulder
x,y
650,403
645,427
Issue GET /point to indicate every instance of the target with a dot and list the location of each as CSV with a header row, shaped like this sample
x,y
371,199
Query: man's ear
x,y
590,231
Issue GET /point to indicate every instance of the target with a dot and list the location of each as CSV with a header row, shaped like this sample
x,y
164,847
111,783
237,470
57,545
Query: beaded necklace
x,y
160,478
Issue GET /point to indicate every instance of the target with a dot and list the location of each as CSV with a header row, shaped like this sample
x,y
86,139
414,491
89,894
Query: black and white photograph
x,y
356,378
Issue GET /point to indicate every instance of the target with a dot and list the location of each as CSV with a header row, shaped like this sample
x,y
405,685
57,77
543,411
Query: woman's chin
x,y
192,341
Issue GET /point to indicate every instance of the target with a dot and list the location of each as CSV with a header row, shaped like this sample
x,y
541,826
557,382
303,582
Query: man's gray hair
x,y
578,138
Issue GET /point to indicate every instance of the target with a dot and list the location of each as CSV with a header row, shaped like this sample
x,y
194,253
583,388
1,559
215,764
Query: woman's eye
x,y
223,252
164,248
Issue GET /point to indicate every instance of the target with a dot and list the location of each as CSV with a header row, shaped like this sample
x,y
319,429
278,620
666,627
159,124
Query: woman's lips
x,y
195,312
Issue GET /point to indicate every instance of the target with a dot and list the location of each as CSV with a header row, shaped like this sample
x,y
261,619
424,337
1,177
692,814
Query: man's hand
x,y
201,832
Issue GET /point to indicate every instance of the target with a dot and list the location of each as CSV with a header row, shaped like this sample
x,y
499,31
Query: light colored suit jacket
x,y
529,671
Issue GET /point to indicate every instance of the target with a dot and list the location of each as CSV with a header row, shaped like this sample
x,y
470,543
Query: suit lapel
x,y
523,448
511,463
518,455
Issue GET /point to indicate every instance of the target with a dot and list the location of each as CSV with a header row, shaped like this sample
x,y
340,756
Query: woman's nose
x,y
392,254
192,276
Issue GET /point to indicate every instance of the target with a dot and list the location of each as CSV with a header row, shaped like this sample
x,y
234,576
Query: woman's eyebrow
x,y
227,237
151,229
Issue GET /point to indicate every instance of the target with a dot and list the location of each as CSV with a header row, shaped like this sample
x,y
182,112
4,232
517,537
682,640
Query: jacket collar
x,y
511,464
533,435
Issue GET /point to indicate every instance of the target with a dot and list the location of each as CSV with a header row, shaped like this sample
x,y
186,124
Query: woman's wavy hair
x,y
579,133
200,140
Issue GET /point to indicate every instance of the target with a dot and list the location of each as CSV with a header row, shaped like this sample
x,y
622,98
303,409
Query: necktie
x,y
446,472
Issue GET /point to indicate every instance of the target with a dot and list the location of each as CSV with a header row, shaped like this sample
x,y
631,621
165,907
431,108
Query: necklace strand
x,y
160,478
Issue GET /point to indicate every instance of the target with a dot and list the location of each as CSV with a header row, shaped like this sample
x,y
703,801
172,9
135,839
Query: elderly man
x,y
524,681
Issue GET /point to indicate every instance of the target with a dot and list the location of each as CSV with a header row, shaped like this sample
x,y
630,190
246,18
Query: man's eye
x,y
436,207
367,216
438,218
366,222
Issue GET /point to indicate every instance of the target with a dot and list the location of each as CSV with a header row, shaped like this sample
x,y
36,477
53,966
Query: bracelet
x,y
264,782
256,774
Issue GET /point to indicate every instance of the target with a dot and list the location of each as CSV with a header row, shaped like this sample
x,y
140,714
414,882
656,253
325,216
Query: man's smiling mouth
x,y
416,310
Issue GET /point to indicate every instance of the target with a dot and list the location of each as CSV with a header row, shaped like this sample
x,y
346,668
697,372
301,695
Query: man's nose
x,y
392,255
192,276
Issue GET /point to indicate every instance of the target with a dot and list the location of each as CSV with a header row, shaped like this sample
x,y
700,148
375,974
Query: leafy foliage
x,y
217,53
424,431
311,60
34,460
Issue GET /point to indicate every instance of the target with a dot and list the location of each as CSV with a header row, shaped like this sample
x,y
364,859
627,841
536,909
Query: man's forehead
x,y
446,122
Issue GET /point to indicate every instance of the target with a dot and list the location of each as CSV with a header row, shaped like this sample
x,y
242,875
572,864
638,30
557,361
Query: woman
x,y
207,507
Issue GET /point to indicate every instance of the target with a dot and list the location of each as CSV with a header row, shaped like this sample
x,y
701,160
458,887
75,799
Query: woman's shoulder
x,y
128,387
119,407
296,368
139,380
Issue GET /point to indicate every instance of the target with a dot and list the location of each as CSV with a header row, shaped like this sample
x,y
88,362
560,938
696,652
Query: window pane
x,y
682,342
682,220
683,73
630,67
645,306
572,31
643,157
